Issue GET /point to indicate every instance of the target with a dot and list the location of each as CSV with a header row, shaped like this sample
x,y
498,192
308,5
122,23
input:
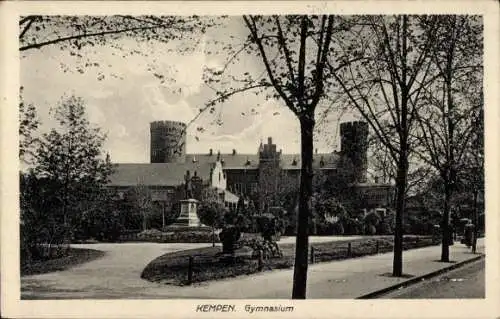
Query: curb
x,y
378,293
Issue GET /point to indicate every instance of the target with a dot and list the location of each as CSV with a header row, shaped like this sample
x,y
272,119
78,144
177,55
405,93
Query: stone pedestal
x,y
188,216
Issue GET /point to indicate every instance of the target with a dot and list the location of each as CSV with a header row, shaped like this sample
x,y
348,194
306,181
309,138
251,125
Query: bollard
x,y
312,255
349,250
190,270
260,261
377,248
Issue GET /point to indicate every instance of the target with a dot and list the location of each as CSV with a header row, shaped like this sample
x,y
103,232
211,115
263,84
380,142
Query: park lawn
x,y
172,268
76,256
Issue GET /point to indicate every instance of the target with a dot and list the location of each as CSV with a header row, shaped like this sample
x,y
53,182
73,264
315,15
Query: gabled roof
x,y
172,174
230,160
251,161
157,174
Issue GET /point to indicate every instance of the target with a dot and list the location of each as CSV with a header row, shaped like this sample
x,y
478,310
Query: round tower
x,y
354,147
168,142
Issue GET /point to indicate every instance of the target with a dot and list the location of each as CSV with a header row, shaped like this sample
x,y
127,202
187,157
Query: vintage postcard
x,y
209,159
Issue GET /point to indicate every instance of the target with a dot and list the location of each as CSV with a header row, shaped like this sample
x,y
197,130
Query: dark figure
x,y
468,234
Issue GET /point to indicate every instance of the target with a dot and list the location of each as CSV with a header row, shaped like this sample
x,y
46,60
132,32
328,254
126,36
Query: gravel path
x,y
117,273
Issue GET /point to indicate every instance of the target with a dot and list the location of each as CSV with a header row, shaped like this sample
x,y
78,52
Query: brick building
x,y
260,176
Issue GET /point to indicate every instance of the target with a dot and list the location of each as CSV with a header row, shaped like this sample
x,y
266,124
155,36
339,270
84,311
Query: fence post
x,y
260,261
312,255
190,270
349,250
377,248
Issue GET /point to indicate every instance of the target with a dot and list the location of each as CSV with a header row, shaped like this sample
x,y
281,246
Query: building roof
x,y
157,174
172,174
251,161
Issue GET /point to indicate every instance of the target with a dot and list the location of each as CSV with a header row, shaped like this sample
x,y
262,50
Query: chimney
x,y
211,152
218,155
269,140
234,151
316,151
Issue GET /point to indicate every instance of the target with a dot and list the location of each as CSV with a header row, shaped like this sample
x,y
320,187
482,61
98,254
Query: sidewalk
x,y
347,279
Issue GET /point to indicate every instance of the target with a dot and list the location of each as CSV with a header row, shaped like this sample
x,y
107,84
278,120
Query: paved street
x,y
465,282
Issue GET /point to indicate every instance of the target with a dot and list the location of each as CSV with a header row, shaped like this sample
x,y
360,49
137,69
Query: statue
x,y
188,187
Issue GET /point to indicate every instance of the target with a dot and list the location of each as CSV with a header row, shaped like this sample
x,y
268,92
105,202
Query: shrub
x,y
370,230
338,228
372,218
269,249
177,236
229,237
269,226
189,237
384,228
351,226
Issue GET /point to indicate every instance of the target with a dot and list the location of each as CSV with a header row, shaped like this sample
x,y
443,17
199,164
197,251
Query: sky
x,y
123,97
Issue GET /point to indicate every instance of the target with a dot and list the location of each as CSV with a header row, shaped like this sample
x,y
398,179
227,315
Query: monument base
x,y
180,228
188,217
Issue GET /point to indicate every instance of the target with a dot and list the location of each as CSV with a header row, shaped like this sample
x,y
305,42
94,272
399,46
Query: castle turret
x,y
168,142
354,147
269,173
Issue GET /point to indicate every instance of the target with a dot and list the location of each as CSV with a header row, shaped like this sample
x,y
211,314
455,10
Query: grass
x,y
76,256
172,268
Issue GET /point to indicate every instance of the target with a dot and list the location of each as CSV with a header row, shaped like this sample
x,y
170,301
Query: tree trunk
x,y
445,224
397,264
213,236
163,216
476,224
305,194
144,225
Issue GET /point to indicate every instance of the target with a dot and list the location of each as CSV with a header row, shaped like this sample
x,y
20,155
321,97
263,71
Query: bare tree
x,y
140,197
449,119
473,174
84,36
384,85
293,52
74,32
297,77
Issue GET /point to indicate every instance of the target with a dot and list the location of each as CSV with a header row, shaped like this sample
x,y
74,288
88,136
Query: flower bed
x,y
178,236
75,256
173,268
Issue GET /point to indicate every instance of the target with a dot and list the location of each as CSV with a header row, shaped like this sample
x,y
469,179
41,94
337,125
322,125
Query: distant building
x,y
260,176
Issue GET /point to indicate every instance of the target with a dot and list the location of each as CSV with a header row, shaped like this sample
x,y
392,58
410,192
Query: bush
x,y
189,237
269,249
338,228
229,237
372,219
177,236
384,228
351,226
370,230
269,227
